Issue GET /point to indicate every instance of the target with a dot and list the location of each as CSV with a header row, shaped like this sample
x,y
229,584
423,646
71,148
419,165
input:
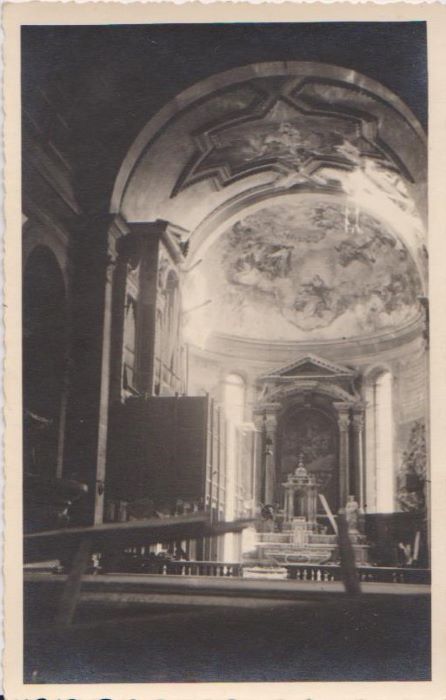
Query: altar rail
x,y
194,568
367,574
296,572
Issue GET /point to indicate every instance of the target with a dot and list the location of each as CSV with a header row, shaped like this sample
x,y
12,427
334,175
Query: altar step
x,y
303,546
287,537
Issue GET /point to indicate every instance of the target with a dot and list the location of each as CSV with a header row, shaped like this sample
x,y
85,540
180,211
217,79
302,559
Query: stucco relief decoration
x,y
305,141
300,270
412,475
163,271
290,138
377,175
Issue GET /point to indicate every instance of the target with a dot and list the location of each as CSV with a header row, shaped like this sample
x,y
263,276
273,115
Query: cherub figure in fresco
x,y
314,297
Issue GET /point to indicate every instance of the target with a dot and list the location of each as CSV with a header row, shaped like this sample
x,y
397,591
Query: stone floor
x,y
170,637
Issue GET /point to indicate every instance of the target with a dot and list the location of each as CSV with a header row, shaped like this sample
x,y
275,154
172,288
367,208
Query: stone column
x,y
270,453
312,505
266,420
147,236
147,239
358,455
344,440
93,261
260,458
125,261
289,504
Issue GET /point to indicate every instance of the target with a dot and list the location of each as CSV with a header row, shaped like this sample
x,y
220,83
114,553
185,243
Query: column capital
x,y
130,245
343,409
268,410
343,422
342,406
174,237
358,421
266,417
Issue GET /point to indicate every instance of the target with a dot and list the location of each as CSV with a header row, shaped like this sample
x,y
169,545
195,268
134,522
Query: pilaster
x,y
93,261
143,245
343,410
266,418
358,424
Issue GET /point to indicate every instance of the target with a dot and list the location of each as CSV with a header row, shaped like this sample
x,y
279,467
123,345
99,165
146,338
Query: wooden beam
x,y
329,513
72,588
349,572
55,543
85,540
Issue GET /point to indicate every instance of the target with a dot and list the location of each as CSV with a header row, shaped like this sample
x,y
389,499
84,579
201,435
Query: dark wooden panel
x,y
157,450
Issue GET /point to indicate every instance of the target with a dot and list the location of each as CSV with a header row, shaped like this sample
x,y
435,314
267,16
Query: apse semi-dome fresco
x,y
299,271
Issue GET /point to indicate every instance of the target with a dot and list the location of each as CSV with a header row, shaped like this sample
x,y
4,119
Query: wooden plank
x,y
72,589
116,535
330,515
54,543
349,572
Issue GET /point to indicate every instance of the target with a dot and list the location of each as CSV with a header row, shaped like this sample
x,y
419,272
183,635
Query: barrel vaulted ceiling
x,y
301,188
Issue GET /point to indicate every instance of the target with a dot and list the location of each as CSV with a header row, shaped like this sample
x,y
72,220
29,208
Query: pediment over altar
x,y
308,367
309,374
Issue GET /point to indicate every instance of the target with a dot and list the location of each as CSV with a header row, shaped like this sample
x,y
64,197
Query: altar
x,y
301,495
298,535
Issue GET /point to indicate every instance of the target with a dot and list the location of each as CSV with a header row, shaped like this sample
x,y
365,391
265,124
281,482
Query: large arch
x,y
219,83
282,134
202,189
44,362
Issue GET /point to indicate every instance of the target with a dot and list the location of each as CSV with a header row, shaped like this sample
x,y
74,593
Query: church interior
x,y
225,333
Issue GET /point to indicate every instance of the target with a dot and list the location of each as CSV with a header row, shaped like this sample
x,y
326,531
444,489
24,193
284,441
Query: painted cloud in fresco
x,y
302,271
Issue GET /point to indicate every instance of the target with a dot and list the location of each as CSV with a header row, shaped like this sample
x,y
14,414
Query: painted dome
x,y
302,270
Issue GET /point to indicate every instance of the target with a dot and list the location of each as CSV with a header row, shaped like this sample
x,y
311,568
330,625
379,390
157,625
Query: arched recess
x,y
44,362
380,448
309,431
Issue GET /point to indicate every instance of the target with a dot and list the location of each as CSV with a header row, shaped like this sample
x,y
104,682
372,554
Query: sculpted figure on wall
x,y
412,475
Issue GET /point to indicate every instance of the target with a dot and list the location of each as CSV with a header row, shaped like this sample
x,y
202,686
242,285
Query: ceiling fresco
x,y
304,141
289,137
284,129
306,270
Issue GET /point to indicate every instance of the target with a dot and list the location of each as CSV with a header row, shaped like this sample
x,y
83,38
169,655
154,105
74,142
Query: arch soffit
x,y
37,237
300,71
38,245
372,373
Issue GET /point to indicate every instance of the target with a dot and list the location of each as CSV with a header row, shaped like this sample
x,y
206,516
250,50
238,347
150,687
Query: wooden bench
x,y
78,543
